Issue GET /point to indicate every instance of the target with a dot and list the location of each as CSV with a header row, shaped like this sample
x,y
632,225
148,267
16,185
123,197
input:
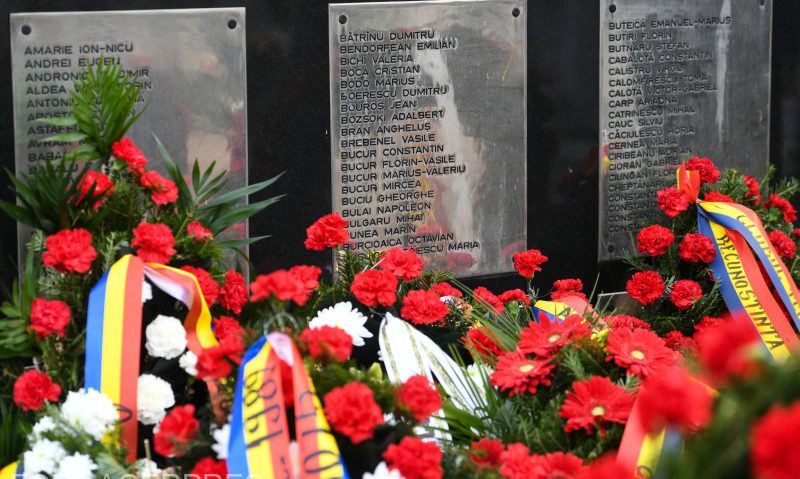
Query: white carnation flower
x,y
344,316
45,424
383,472
221,437
91,411
166,337
147,469
147,291
76,466
189,363
153,397
43,457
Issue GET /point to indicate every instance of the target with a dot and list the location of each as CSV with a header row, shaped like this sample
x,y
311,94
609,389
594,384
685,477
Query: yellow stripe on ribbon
x,y
11,471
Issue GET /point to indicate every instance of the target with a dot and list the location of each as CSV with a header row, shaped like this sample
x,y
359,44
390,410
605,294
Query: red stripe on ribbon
x,y
131,348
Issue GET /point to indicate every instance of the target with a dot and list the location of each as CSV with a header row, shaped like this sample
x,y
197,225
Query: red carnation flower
x,y
546,338
638,350
515,295
352,411
208,286
789,213
645,286
688,407
154,241
176,431
716,196
783,245
125,150
486,453
684,293
458,262
606,467
528,261
487,299
517,462
415,458
327,232
655,240
162,190
519,374
208,468
97,185
772,455
594,402
708,172
233,294
672,201
726,349
419,397
200,233
405,264
232,347
557,465
328,343
796,232
33,388
48,317
697,247
225,326
375,286
617,321
308,275
676,341
569,284
213,363
424,307
754,188
444,289
282,284
70,251
480,338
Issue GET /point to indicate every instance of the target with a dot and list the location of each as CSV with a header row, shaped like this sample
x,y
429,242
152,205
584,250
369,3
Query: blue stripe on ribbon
x,y
94,334
237,450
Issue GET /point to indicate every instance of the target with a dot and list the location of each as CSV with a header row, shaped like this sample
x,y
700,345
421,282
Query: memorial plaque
x,y
678,79
414,162
190,64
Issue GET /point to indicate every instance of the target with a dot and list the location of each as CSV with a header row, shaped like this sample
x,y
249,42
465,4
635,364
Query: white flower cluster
x,y
166,337
383,472
344,316
50,458
91,411
153,397
221,438
189,363
147,469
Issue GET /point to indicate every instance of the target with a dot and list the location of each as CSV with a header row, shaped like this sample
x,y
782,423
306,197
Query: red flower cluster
x,y
97,185
708,172
374,286
688,406
48,317
479,338
415,458
708,322
327,232
684,293
285,285
444,289
33,388
328,343
175,431
606,467
528,261
418,397
517,373
125,150
487,299
676,341
515,295
225,326
70,251
617,321
162,190
215,362
546,338
517,463
716,196
595,401
783,245
154,241
308,275
654,240
208,286
567,287
645,286
727,349
352,411
424,307
233,294
638,350
556,465
208,468
772,455
697,247
752,185
672,201
200,233
486,453
789,213
405,264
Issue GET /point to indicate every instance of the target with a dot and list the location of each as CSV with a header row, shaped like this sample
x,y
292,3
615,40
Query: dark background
x,y
288,115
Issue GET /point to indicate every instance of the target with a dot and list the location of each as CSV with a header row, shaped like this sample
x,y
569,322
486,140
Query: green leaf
x,y
65,121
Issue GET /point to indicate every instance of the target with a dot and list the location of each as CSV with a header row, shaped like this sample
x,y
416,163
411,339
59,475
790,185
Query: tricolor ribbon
x,y
559,310
259,439
12,471
114,331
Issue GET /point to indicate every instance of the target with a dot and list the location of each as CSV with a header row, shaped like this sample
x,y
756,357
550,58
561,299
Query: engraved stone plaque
x,y
416,160
678,79
190,63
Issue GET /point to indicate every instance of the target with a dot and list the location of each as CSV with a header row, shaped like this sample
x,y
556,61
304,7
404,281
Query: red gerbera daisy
x,y
638,350
557,465
546,337
595,401
519,374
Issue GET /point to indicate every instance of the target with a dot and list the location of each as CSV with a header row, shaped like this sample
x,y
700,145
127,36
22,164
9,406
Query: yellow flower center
x,y
598,411
526,368
637,354
554,337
